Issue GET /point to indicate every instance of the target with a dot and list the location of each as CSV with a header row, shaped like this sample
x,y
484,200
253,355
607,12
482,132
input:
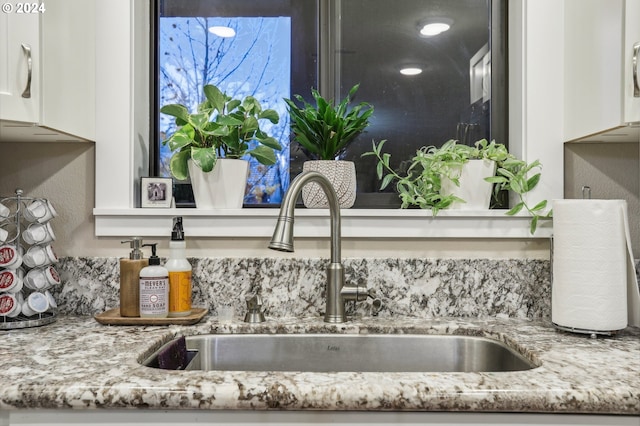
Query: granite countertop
x,y
78,363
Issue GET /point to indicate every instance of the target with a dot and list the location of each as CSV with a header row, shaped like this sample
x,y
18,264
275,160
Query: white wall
x,y
612,171
61,172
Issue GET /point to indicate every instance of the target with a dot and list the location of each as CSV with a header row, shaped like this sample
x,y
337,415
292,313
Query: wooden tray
x,y
112,317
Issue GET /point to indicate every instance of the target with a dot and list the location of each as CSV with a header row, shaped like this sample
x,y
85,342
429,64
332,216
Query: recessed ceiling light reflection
x,y
410,71
434,29
220,31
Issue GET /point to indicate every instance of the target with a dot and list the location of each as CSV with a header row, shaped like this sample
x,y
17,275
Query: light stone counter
x,y
78,363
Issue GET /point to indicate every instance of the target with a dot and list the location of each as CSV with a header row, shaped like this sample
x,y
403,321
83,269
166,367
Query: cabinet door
x,y
19,63
68,67
632,49
593,75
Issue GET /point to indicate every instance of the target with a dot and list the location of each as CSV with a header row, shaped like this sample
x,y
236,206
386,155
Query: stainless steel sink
x,y
350,353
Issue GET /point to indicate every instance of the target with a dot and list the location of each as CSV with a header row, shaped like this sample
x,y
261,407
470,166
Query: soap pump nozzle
x,y
135,244
177,233
154,259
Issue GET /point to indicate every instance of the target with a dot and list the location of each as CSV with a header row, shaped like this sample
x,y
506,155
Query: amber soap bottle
x,y
130,279
179,273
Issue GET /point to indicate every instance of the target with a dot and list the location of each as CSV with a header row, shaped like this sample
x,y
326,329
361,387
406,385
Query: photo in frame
x,y
156,192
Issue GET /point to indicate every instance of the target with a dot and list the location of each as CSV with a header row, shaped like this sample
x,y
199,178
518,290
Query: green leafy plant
x,y
324,130
221,127
420,185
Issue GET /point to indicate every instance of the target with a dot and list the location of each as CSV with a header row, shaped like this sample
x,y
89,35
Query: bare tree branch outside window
x,y
256,62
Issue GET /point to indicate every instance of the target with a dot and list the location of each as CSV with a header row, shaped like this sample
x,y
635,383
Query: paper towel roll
x,y
591,258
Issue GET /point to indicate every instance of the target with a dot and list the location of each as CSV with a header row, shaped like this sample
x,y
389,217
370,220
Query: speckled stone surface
x,y
427,288
78,363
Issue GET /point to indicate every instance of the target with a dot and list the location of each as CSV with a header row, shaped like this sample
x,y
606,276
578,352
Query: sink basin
x,y
349,353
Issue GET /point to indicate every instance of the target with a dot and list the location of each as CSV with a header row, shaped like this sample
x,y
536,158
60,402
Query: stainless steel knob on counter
x,y
254,309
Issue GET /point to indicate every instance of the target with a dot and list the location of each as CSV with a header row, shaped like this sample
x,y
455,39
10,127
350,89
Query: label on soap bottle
x,y
154,292
179,293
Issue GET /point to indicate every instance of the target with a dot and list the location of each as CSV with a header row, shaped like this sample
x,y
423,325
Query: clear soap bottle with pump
x,y
154,287
129,279
179,273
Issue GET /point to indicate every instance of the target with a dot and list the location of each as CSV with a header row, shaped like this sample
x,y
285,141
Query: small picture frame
x,y
156,192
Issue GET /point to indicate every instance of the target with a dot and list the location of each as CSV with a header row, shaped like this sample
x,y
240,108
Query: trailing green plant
x,y
323,130
421,183
221,127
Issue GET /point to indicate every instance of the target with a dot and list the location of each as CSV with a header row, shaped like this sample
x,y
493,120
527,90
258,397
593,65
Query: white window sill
x,y
356,223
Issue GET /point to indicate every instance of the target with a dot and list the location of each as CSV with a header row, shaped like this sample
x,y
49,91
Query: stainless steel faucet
x,y
337,292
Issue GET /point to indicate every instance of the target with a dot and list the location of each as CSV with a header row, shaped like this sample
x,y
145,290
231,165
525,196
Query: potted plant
x,y
209,144
324,131
434,176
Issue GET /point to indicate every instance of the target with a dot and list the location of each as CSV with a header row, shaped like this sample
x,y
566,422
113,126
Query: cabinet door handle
x,y
27,51
636,86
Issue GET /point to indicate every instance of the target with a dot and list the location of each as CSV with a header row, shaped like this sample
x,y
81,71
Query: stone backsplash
x,y
424,288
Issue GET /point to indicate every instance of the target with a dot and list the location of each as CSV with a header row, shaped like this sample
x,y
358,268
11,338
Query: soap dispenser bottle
x,y
129,279
154,287
179,273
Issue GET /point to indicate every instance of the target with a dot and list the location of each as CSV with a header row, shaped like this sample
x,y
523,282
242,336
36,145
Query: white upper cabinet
x,y
632,61
19,83
47,71
600,104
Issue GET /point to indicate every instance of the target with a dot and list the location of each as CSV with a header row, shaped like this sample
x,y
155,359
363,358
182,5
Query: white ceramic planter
x,y
473,188
223,187
341,174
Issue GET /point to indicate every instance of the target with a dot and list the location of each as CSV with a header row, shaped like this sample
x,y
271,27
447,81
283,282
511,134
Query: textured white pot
x,y
341,174
221,188
473,188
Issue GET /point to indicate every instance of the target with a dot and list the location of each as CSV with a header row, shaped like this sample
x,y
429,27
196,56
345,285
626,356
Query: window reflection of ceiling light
x,y
225,32
434,28
410,71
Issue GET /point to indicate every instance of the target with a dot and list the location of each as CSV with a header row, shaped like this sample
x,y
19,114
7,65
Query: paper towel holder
x,y
592,333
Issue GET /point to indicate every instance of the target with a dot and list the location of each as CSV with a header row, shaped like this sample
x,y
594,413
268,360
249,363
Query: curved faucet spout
x,y
282,239
337,293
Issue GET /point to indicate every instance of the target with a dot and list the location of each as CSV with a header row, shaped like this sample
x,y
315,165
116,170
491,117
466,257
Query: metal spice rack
x,y
14,221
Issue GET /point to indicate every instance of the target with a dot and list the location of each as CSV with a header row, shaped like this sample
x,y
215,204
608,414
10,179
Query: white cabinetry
x,y
47,70
19,39
600,104
632,61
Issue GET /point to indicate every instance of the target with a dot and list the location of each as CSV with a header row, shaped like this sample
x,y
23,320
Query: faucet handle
x,y
361,293
254,301
375,304
254,309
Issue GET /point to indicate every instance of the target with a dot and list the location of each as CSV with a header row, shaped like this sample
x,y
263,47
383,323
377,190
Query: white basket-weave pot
x,y
341,174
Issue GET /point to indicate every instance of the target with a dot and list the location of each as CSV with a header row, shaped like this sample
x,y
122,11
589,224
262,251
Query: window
x,y
457,88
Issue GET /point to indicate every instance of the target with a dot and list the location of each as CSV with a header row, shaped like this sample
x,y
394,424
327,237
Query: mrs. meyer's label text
x,y
154,295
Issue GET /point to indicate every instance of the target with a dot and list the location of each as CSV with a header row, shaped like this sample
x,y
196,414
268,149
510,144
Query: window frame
x,y
326,84
536,61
